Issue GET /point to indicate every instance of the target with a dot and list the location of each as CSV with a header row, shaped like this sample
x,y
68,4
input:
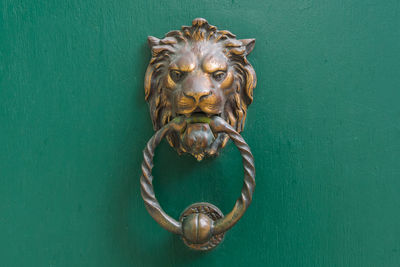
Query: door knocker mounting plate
x,y
198,85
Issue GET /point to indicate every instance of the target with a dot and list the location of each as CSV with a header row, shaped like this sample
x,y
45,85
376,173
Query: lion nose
x,y
197,95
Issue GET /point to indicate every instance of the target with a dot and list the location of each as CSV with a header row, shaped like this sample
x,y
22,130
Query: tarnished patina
x,y
198,232
198,86
199,70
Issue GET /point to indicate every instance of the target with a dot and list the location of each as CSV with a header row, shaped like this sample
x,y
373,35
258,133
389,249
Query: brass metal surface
x,y
198,85
199,70
194,210
210,227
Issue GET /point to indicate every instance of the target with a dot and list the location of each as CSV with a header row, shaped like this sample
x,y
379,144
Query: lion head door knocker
x,y
198,85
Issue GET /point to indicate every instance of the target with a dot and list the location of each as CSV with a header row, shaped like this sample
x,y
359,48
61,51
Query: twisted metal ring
x,y
213,228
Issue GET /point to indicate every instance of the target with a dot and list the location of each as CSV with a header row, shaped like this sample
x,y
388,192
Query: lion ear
x,y
249,44
152,41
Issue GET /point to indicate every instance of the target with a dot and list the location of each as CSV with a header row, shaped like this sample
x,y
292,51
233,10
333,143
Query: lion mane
x,y
235,50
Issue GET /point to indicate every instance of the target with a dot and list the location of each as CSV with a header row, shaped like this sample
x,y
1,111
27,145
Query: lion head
x,y
199,71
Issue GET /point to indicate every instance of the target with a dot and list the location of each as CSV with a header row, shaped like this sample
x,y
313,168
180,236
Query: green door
x,y
324,129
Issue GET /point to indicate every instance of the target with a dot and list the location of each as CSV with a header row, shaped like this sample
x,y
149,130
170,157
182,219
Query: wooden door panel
x,y
323,128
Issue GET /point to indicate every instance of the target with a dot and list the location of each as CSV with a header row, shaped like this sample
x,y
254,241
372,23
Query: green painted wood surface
x,y
324,129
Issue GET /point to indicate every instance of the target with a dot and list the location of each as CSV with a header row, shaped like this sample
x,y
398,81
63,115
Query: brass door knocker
x,y
198,85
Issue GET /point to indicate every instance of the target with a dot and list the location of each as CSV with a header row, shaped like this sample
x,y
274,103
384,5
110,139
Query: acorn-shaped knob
x,y
197,228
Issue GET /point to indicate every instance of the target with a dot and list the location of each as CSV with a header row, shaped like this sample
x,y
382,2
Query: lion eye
x,y
176,75
219,75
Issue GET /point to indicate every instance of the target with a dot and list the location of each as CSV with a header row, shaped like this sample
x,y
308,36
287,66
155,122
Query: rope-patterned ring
x,y
217,125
